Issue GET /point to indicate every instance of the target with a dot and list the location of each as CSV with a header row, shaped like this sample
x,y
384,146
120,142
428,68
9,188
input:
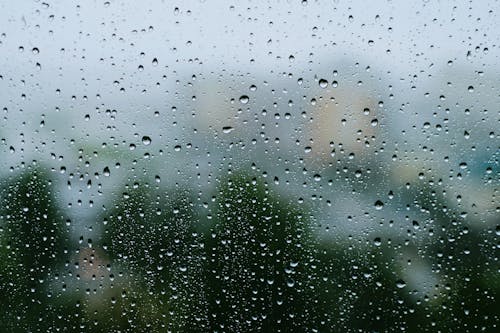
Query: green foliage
x,y
33,244
259,255
151,234
255,267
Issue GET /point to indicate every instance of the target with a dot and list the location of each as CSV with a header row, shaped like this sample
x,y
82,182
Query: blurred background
x,y
214,166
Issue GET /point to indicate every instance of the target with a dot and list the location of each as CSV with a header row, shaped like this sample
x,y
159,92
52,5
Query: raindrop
x,y
379,205
227,129
244,99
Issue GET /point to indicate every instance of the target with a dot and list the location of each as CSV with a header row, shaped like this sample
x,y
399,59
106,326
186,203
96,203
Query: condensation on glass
x,y
213,166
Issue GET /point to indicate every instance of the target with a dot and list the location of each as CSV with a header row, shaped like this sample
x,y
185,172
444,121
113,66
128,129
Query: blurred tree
x,y
33,246
151,234
258,261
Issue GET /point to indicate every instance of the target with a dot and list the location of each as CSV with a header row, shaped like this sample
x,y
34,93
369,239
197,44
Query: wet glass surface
x,y
213,166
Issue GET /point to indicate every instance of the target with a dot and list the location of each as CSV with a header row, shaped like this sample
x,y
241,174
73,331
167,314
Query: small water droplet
x,y
146,140
323,83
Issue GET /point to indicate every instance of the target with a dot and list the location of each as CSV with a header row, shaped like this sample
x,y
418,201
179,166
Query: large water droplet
x,y
227,129
244,99
400,284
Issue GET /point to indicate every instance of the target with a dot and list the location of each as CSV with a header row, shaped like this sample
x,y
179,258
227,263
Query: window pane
x,y
213,166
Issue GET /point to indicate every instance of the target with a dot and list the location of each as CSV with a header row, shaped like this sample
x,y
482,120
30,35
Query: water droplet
x,y
377,241
244,99
146,140
227,129
379,205
323,83
415,224
400,284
